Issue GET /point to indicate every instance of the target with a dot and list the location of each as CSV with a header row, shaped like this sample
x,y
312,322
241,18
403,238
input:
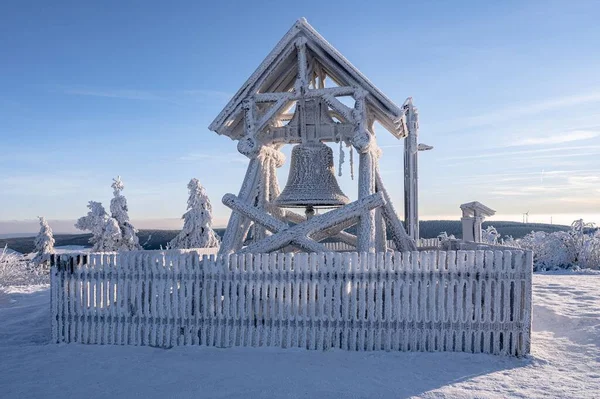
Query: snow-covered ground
x,y
565,361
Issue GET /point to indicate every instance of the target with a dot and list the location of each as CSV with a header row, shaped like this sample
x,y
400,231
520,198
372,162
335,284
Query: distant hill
x,y
154,239
431,228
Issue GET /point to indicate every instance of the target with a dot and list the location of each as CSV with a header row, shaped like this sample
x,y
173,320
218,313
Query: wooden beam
x,y
266,118
342,109
299,233
270,222
301,84
273,97
401,239
331,91
335,232
237,225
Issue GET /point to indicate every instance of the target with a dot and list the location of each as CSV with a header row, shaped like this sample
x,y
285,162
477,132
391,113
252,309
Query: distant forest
x,y
154,239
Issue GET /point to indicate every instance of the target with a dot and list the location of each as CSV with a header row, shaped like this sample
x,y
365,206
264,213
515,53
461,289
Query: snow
x,y
70,249
197,229
129,240
44,242
106,233
564,361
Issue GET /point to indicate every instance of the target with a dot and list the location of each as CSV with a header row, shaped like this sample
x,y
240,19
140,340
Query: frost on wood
x,y
119,210
197,229
44,242
106,234
318,301
286,101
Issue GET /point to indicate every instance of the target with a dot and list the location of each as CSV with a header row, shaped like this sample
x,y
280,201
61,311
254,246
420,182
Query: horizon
x,y
511,113
11,229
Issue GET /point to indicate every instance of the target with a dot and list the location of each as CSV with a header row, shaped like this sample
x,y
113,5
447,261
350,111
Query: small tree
x,y
197,229
118,208
44,242
490,235
106,234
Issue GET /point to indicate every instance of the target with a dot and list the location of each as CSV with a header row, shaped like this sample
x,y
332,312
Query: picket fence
x,y
343,247
469,301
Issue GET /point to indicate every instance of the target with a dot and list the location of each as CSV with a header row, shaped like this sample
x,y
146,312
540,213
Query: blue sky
x,y
508,93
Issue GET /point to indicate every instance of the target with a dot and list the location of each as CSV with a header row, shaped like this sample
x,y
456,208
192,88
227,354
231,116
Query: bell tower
x,y
286,101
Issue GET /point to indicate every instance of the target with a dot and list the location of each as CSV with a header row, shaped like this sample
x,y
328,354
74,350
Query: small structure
x,y
290,99
473,215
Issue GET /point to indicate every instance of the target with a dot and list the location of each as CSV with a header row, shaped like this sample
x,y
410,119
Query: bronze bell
x,y
311,182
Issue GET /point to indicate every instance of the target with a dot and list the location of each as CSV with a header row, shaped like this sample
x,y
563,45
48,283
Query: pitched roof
x,y
278,72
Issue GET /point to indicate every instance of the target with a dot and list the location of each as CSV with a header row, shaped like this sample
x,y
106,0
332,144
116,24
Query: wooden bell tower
x,y
286,101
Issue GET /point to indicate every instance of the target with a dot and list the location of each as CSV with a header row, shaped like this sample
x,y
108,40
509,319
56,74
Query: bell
x,y
311,182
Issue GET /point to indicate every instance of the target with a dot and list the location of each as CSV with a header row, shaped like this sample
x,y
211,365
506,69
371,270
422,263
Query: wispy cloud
x,y
115,93
144,95
231,157
563,151
516,111
567,137
43,185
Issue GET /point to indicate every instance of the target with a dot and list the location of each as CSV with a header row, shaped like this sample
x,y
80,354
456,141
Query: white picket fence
x,y
470,301
343,247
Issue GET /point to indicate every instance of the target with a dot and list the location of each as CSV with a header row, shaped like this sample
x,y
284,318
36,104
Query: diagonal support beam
x,y
270,222
299,233
339,107
266,118
399,236
336,232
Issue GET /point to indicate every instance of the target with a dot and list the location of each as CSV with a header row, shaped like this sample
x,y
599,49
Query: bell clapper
x,y
309,212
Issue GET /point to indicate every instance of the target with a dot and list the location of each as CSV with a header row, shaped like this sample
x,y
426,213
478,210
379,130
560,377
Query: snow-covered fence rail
x,y
471,301
339,246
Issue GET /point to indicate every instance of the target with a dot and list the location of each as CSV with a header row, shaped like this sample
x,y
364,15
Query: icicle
x,y
342,155
351,163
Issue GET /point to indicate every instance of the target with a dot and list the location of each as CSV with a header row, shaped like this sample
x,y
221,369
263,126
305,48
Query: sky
x,y
508,94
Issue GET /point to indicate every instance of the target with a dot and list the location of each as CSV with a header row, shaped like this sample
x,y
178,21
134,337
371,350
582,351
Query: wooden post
x,y
363,142
411,173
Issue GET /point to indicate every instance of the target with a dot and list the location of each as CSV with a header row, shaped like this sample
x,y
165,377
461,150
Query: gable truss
x,y
300,60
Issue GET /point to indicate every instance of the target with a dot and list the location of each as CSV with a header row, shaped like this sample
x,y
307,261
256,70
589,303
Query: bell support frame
x,y
296,73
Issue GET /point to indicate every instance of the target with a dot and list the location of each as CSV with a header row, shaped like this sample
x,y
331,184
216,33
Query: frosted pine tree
x,y
44,242
118,208
106,234
197,229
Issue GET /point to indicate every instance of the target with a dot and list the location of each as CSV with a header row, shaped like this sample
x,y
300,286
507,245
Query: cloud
x,y
560,138
43,185
513,112
173,96
231,157
508,113
115,93
563,151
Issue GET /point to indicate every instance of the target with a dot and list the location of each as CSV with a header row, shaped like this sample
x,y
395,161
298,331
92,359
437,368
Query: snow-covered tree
x,y
579,247
106,234
44,242
443,236
550,251
197,229
490,235
589,254
118,208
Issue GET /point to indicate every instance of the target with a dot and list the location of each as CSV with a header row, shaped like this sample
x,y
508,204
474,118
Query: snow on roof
x,y
278,72
470,208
